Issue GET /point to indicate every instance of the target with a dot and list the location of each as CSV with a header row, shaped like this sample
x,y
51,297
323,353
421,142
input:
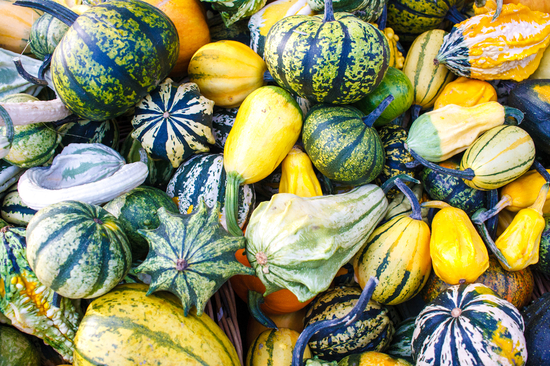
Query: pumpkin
x,y
174,122
469,325
46,32
212,68
13,210
306,53
469,49
543,265
16,349
233,11
15,26
86,131
112,82
466,92
222,122
274,347
400,346
169,336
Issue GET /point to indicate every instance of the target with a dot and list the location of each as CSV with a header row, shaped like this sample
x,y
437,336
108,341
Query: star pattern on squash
x,y
191,256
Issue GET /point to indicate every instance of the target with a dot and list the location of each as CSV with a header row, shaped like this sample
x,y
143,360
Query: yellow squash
x,y
298,176
524,191
266,127
466,92
274,347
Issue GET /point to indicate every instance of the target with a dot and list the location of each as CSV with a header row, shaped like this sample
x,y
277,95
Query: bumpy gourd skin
x,y
466,92
28,303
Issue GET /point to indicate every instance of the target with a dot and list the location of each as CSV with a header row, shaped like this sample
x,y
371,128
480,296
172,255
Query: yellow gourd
x,y
274,347
466,92
524,191
298,176
457,250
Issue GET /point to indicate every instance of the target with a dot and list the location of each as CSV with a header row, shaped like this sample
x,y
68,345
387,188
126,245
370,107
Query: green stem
x,y
416,210
329,12
489,242
232,186
516,114
390,183
480,216
255,299
467,174
373,116
59,11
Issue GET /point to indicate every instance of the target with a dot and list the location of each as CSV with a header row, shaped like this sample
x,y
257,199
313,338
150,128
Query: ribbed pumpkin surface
x,y
95,68
125,327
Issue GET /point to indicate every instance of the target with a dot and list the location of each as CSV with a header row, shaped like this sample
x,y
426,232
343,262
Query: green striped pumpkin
x,y
168,335
469,325
400,345
112,56
222,122
341,146
305,54
86,131
9,174
16,349
77,249
498,157
13,210
203,177
46,32
372,330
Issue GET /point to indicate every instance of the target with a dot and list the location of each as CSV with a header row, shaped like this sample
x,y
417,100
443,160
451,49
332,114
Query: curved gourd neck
x,y
390,183
415,205
467,174
57,10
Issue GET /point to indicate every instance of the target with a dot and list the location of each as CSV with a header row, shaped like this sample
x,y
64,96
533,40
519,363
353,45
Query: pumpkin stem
x,y
382,20
467,174
455,16
499,9
59,11
391,182
541,198
327,325
480,216
255,299
232,202
492,222
329,12
455,313
45,64
416,210
487,239
415,111
513,116
373,116
541,170
181,264
25,75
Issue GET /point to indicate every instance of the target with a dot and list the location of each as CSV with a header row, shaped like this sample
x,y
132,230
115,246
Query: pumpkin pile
x,y
368,179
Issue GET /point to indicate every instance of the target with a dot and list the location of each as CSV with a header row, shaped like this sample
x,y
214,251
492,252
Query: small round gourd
x,y
274,347
46,32
16,349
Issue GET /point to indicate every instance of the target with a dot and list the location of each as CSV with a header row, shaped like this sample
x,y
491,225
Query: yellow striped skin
x,y
427,78
125,327
266,128
398,254
298,176
274,347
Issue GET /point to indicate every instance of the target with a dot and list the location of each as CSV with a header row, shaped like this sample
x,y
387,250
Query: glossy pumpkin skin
x,y
524,191
515,287
294,321
102,336
98,84
274,347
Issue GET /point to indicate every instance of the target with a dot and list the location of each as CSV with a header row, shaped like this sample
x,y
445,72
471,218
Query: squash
x,y
372,358
235,11
298,176
469,324
189,18
400,346
46,32
213,66
174,122
191,256
9,174
519,34
222,122
169,335
524,190
15,26
48,316
292,321
543,71
137,210
543,265
112,82
306,53
16,349
67,247
274,347
86,131
13,210
536,321
258,142
342,144
466,92
371,330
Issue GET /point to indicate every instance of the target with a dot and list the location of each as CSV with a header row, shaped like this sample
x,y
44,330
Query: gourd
x,y
112,82
222,122
292,321
67,247
12,81
466,92
174,122
16,349
86,131
259,140
342,144
536,321
13,210
274,347
427,79
524,190
46,32
213,66
327,47
543,265
469,324
15,26
372,358
400,346
298,176
101,334
398,254
519,34
233,11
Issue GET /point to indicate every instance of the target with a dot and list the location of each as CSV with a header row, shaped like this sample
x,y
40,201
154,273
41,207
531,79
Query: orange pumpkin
x,y
279,302
189,17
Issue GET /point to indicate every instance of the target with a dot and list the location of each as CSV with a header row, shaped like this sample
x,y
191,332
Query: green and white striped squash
x,y
341,146
77,249
169,335
112,56
9,174
137,210
222,122
498,157
46,32
400,345
13,210
16,349
469,325
372,331
91,132
261,22
174,122
306,54
233,11
370,10
203,177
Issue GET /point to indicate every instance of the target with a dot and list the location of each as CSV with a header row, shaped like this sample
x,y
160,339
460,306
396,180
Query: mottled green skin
x,y
338,61
28,311
32,145
46,32
191,256
543,265
77,249
112,56
400,345
13,210
16,349
137,210
410,18
372,331
371,9
395,83
341,146
233,11
86,131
